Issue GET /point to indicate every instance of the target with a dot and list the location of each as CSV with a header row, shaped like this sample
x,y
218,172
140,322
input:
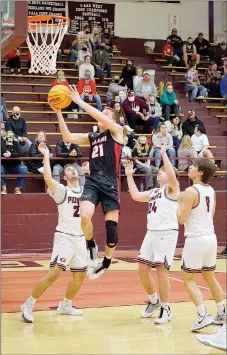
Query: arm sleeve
x,y
81,71
93,87
18,149
169,141
60,194
138,89
155,90
24,128
8,125
205,140
80,87
33,152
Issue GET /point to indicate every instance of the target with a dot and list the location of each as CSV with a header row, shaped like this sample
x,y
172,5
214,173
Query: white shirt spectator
x,y
136,80
175,131
84,67
81,56
199,142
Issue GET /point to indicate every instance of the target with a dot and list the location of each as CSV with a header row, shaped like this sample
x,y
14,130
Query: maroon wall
x,y
29,221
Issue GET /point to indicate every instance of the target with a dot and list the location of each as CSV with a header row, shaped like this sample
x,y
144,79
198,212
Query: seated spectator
x,y
14,61
67,150
84,38
176,43
137,112
4,111
203,47
168,53
126,150
138,77
82,53
87,90
223,87
101,62
129,132
221,53
223,68
95,39
189,52
107,37
146,87
128,72
186,153
69,48
60,79
109,50
201,144
11,148
155,112
142,150
29,59
158,139
174,127
116,89
212,79
17,124
169,102
86,66
188,126
193,83
36,166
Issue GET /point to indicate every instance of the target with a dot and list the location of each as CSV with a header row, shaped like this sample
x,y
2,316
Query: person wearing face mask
x,y
10,147
17,124
212,79
193,84
86,66
138,77
95,39
203,47
114,89
14,61
155,112
190,52
100,60
169,102
189,124
128,72
84,38
87,90
60,79
176,42
82,53
174,127
36,166
200,143
146,87
221,53
168,53
106,37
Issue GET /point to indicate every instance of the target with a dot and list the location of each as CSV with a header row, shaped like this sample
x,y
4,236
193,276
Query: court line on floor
x,y
205,288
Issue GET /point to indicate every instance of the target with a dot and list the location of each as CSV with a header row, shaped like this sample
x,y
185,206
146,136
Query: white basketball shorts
x,y
199,253
69,250
158,248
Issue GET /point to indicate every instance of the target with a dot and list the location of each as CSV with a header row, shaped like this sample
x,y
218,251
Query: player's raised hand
x,y
128,165
43,149
74,94
56,110
163,149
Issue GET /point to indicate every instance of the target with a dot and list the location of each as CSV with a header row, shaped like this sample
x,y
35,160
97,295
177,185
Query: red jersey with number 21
x,y
162,211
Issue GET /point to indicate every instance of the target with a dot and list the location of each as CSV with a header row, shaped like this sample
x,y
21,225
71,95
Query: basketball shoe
x,y
164,316
219,319
202,322
150,309
27,312
217,340
67,308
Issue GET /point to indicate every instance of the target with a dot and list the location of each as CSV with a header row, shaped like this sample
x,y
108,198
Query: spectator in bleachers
x,y
84,38
189,52
137,112
138,77
87,90
174,127
67,150
155,112
100,60
223,68
167,52
129,132
142,150
29,59
223,87
11,148
126,150
169,102
221,53
128,72
4,112
82,53
60,79
14,61
188,126
200,143
109,49
158,139
36,166
202,46
186,153
95,39
69,48
212,79
193,84
107,37
176,42
118,108
146,87
17,124
116,89
86,66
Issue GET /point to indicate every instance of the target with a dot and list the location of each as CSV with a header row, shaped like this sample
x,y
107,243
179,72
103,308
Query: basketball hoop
x,y
46,35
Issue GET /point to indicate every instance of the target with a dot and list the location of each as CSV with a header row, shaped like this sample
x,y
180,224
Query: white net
x,y
44,40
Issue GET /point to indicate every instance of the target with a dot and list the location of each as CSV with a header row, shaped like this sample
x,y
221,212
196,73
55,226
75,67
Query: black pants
x,y
213,90
14,63
170,60
135,120
170,109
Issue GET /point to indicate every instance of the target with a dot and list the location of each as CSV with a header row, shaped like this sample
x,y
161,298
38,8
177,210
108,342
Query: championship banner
x,y
93,14
56,8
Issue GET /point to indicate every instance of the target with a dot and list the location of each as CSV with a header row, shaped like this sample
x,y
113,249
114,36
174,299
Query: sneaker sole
x,y
203,326
69,314
149,315
25,319
218,322
157,322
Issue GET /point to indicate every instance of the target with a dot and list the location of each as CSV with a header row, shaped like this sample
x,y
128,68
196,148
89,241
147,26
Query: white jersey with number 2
x,y
200,222
162,211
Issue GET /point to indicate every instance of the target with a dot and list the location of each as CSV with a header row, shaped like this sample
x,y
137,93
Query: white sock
x,y
153,298
220,308
165,305
67,301
201,309
31,300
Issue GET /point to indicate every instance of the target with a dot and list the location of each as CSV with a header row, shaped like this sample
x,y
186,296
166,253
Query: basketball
x,y
58,96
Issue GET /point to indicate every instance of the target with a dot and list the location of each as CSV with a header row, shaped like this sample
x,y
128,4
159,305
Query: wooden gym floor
x,y
111,323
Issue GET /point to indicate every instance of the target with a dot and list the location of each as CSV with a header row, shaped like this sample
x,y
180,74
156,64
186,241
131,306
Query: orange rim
x,y
33,20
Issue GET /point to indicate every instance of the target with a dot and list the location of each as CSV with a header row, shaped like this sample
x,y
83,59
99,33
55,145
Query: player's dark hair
x,y
207,167
201,129
65,167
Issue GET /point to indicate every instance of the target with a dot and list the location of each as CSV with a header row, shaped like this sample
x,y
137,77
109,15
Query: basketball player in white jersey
x,y
196,208
69,242
159,244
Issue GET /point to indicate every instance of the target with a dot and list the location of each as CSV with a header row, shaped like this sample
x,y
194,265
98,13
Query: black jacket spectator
x,y
17,126
12,145
202,45
176,40
34,165
221,53
189,124
63,151
128,72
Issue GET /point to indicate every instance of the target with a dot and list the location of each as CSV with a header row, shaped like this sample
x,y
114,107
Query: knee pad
x,y
111,234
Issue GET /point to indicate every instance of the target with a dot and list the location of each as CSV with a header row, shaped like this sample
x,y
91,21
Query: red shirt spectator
x,y
14,53
60,80
167,50
86,87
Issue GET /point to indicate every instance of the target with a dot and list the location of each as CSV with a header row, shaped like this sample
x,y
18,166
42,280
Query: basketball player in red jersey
x,y
102,184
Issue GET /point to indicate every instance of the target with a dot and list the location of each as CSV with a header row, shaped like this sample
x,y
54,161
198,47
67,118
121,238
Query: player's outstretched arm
x,y
96,114
51,183
185,203
134,192
170,173
67,136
